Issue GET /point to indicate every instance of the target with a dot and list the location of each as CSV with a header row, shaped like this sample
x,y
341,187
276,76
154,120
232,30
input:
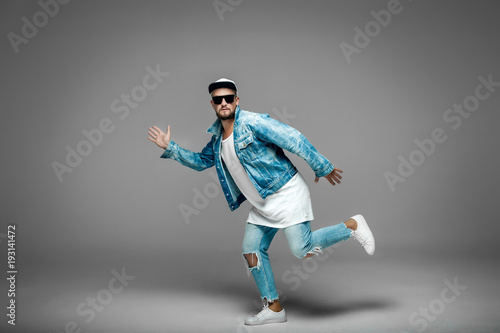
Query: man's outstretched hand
x,y
157,136
333,177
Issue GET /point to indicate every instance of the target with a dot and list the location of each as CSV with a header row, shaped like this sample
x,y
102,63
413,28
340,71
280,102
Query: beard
x,y
229,116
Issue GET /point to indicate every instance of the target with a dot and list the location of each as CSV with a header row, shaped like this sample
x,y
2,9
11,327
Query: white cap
x,y
222,83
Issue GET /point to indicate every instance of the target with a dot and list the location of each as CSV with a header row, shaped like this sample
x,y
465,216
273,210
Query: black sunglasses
x,y
218,99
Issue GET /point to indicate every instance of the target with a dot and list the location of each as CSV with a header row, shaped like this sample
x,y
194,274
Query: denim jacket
x,y
259,141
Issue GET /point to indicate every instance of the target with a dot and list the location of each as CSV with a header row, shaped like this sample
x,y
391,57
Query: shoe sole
x,y
271,321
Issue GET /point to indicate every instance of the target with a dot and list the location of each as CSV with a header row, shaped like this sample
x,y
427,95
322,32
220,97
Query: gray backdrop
x,y
362,99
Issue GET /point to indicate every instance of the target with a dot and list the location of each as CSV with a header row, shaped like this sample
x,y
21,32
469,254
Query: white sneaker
x,y
363,234
266,316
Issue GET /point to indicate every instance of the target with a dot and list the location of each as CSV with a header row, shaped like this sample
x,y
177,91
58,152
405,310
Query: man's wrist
x,y
169,150
325,171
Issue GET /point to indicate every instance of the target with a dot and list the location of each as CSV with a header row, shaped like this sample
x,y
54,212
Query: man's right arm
x,y
197,161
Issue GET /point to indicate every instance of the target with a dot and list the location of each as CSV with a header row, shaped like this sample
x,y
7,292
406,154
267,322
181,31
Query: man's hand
x,y
333,177
157,136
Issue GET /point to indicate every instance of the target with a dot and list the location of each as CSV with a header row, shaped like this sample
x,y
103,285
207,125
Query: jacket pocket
x,y
245,141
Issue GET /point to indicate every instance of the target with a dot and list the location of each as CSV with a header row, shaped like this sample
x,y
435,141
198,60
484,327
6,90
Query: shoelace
x,y
263,312
363,239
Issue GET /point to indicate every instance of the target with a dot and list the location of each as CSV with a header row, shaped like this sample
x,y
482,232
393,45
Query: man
x,y
247,151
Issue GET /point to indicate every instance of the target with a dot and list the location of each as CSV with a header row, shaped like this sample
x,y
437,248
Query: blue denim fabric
x,y
259,141
301,240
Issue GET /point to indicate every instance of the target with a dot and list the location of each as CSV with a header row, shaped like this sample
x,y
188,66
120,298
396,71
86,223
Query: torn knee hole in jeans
x,y
252,260
316,251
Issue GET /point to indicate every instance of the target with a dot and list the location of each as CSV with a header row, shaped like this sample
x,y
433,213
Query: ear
x,y
237,99
212,103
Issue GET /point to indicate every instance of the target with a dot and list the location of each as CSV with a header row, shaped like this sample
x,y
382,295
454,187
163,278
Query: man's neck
x,y
228,128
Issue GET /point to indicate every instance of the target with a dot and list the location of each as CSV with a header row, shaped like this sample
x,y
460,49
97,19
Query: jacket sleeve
x,y
197,161
287,137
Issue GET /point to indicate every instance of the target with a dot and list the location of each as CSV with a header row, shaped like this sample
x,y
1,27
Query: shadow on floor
x,y
323,309
245,293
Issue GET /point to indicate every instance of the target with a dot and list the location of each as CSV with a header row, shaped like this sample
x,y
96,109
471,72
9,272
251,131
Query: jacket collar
x,y
216,128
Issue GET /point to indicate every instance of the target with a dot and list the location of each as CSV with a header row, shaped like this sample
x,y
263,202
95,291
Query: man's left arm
x,y
287,137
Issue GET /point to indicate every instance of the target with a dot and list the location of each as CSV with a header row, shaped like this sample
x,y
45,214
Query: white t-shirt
x,y
290,205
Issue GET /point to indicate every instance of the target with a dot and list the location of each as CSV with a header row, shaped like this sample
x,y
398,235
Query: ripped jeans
x,y
301,240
